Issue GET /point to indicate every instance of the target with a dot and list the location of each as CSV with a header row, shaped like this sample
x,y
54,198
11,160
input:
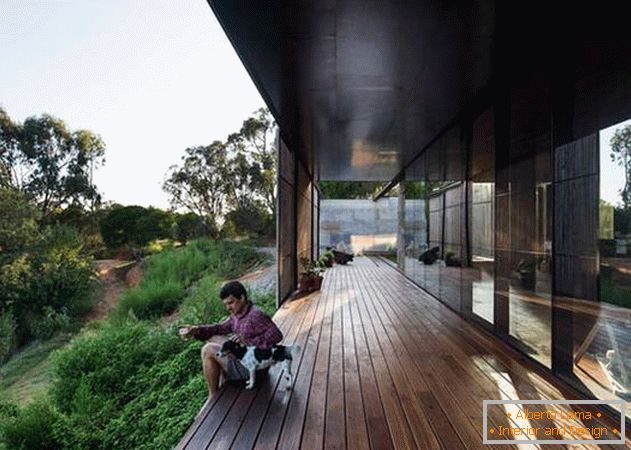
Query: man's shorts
x,y
235,370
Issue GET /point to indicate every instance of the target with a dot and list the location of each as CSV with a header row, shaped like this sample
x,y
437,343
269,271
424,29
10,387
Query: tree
x,y
350,189
18,225
251,218
9,152
60,163
190,226
621,153
200,185
135,225
254,162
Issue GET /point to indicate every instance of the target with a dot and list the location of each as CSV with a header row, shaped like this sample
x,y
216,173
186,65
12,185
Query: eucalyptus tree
x,y
201,185
620,145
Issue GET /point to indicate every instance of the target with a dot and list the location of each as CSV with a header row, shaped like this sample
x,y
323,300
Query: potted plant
x,y
327,258
310,278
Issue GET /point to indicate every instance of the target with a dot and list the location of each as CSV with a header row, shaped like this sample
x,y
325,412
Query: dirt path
x,y
114,275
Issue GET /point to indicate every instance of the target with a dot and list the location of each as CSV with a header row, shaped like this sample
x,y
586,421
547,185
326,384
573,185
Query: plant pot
x,y
316,282
309,283
305,283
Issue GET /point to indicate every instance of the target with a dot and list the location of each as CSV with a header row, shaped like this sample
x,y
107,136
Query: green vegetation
x,y
615,287
233,180
129,383
169,273
46,282
30,372
135,225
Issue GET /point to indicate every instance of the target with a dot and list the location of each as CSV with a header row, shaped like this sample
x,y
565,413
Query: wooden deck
x,y
383,366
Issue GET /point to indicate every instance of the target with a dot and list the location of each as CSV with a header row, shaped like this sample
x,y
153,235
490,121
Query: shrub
x,y
31,427
129,386
57,273
191,226
135,225
18,225
229,259
64,273
158,417
7,334
250,218
107,363
52,322
203,304
151,299
266,301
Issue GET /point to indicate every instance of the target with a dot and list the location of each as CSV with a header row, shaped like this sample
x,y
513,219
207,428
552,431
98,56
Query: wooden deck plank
x,y
274,393
494,373
313,429
458,403
335,425
199,419
446,323
432,397
376,422
356,431
427,421
244,404
215,417
292,425
272,423
383,365
444,334
395,395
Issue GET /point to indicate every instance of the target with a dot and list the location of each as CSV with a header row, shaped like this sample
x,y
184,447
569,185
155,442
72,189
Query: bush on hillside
x,y
250,219
129,386
135,225
169,273
32,427
57,273
191,226
7,334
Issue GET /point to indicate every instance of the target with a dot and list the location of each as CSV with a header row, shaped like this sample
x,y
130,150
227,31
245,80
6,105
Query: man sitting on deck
x,y
249,325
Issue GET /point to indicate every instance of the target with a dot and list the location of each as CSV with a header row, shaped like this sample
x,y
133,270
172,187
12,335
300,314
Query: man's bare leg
x,y
212,365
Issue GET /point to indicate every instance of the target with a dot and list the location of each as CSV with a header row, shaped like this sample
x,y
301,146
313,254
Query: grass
x,y
171,272
29,372
106,366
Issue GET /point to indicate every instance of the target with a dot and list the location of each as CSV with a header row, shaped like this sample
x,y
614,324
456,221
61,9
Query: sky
x,y
611,174
150,77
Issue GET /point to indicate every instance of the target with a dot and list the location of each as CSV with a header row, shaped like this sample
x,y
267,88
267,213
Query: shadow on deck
x,y
383,365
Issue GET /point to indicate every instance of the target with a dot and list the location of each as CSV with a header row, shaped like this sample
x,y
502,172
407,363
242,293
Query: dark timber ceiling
x,y
358,86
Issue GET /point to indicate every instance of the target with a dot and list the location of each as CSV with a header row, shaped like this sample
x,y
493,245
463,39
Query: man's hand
x,y
238,339
185,330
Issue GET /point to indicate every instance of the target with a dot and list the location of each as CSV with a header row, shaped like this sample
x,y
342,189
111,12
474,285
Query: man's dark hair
x,y
234,288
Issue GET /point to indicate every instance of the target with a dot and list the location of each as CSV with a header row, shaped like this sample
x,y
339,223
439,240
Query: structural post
x,y
401,229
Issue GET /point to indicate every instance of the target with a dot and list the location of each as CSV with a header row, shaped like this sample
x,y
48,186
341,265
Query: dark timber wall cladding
x,y
286,238
304,204
576,211
298,214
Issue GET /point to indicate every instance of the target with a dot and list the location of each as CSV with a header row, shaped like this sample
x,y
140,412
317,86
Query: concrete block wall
x,y
365,225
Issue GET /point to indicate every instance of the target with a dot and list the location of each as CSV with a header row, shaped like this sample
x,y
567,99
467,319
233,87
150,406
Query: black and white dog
x,y
253,358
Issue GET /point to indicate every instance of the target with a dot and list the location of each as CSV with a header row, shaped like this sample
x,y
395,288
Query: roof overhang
x,y
359,87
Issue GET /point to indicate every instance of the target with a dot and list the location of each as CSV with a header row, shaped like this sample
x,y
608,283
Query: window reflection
x,y
602,330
